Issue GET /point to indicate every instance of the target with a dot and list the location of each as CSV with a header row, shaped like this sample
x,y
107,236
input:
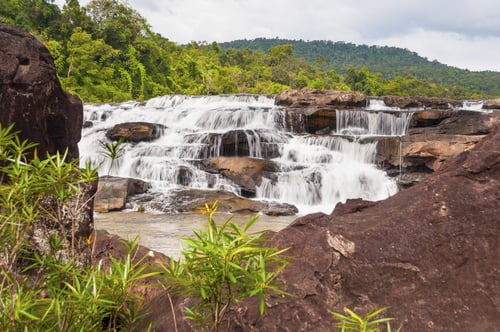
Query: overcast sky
x,y
460,33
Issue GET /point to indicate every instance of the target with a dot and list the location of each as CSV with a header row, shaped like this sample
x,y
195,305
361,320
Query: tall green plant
x,y
222,265
45,291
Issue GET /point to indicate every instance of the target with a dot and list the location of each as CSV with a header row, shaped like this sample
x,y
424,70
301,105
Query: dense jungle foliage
x,y
106,51
390,62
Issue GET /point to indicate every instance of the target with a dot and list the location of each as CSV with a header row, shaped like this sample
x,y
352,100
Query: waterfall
x,y
315,171
473,105
373,123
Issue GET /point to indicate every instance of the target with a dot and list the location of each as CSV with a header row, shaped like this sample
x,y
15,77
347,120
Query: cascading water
x,y
316,172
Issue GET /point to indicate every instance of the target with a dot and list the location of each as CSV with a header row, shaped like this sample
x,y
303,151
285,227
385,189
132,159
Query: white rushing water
x,y
316,171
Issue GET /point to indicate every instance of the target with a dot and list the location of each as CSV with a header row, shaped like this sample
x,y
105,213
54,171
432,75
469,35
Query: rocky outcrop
x,y
428,145
440,128
430,253
244,171
113,192
135,131
194,200
314,110
31,96
312,100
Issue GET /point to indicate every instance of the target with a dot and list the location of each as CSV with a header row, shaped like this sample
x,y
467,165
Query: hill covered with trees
x,y
391,62
106,51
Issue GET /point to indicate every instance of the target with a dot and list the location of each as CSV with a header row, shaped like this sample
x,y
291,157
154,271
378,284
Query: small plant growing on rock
x,y
353,322
113,151
222,265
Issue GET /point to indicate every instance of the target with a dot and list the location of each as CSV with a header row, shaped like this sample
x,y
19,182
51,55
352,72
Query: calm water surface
x,y
163,232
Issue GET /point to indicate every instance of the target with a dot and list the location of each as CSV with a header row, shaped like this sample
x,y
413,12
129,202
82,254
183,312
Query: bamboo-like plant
x,y
223,265
353,322
113,151
42,291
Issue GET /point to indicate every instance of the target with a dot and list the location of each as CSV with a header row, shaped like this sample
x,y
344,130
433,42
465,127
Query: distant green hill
x,y
388,61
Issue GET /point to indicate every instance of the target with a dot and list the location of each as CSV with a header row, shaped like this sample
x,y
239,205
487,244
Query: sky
x,y
459,33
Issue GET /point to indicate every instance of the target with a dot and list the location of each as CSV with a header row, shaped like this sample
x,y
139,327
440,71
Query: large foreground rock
x,y
32,100
31,96
430,253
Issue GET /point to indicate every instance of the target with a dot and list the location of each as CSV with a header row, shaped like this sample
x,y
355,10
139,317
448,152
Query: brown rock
x,y
193,200
244,171
314,110
107,245
423,151
434,103
31,96
135,131
113,192
454,122
312,99
492,104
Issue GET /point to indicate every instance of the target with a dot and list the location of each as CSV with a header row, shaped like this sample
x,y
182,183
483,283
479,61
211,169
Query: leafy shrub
x,y
45,291
222,265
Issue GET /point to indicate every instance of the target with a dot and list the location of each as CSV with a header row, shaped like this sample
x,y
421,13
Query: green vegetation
x,y
223,265
54,290
47,289
106,51
393,65
352,322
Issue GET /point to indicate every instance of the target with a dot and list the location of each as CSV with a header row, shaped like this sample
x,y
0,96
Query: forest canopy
x,y
106,51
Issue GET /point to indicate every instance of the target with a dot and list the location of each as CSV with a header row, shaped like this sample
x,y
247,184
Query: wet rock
x,y
113,192
194,200
135,131
312,110
275,209
244,171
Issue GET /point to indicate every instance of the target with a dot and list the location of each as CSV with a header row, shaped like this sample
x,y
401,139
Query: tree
x,y
116,23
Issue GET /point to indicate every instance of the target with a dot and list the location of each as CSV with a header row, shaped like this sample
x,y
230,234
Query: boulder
x,y
429,253
113,192
32,100
244,171
192,200
31,96
135,131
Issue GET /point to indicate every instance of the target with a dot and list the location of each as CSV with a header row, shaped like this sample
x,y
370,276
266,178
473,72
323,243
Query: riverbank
x,y
163,232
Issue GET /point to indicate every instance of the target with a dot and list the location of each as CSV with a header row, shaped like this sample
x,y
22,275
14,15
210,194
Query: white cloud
x,y
454,49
